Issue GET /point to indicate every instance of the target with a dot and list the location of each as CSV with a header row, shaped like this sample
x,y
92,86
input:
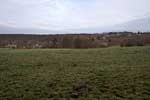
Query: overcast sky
x,y
70,14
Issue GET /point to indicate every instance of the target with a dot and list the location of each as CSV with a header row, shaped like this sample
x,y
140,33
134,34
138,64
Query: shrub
x,y
132,42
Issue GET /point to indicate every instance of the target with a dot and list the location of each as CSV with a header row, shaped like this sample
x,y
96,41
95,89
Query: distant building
x,y
11,46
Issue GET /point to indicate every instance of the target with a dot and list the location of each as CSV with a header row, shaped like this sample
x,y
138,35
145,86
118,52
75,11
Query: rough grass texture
x,y
75,74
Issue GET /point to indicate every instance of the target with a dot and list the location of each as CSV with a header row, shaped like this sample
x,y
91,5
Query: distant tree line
x,y
96,40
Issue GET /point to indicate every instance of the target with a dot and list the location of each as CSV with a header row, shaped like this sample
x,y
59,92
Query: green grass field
x,y
113,73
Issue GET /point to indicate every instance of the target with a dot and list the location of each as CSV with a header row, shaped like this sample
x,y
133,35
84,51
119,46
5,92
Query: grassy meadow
x,y
112,73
